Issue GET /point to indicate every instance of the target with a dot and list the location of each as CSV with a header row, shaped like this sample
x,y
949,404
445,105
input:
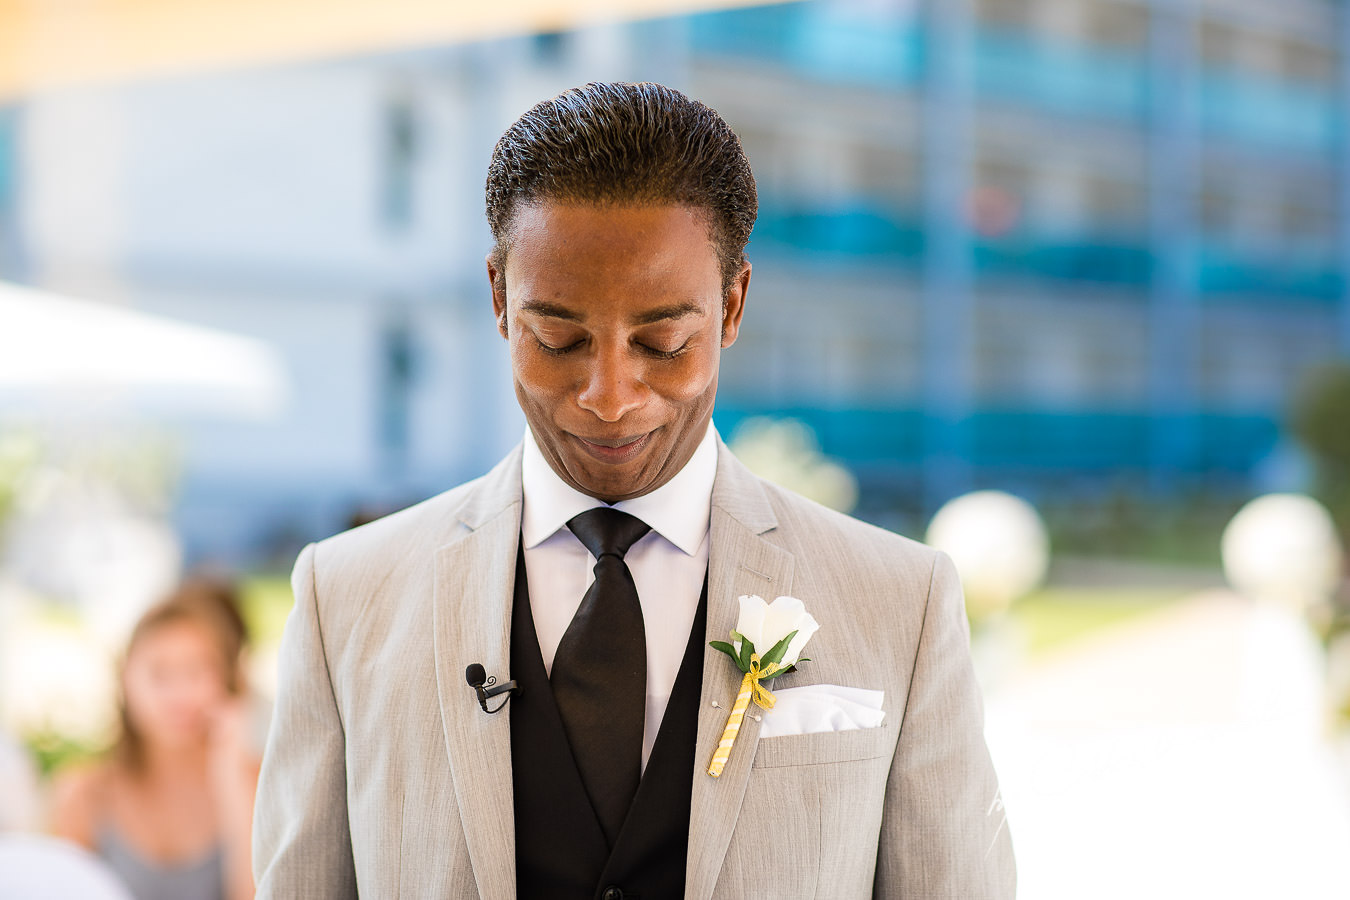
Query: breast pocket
x,y
812,813
824,747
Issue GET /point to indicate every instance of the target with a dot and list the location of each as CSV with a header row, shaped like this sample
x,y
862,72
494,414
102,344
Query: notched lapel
x,y
741,562
471,620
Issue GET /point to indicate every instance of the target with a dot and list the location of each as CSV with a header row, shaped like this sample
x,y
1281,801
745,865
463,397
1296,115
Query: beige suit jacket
x,y
382,777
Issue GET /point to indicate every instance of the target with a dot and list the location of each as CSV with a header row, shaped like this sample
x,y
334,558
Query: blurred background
x,y
1059,285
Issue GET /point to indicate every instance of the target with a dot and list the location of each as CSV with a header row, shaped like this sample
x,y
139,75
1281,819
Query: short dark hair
x,y
625,143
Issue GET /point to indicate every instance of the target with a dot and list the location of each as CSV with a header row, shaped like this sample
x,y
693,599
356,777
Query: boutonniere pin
x,y
784,627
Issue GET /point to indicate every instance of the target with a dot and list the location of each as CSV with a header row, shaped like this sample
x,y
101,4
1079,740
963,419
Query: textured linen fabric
x,y
382,776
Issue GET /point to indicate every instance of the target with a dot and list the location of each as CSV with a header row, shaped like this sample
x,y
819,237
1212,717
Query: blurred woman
x,y
170,808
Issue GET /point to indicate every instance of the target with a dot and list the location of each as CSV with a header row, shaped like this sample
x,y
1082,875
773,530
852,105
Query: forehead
x,y
557,245
173,637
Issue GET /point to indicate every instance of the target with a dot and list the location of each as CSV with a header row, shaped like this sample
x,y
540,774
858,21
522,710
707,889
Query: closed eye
x,y
665,354
558,351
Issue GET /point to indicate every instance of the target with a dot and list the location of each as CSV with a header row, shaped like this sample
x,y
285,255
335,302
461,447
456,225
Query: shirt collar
x,y
678,510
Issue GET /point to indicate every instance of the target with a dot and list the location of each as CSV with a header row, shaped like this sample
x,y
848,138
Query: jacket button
x,y
612,893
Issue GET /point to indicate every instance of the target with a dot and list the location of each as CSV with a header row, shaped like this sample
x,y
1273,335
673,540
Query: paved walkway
x,y
1181,755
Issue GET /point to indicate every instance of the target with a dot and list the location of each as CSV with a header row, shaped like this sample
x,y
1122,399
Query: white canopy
x,y
60,356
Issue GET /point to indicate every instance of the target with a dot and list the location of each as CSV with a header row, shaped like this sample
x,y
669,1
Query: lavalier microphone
x,y
486,687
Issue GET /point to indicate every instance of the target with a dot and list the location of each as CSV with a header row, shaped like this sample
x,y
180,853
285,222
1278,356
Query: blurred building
x,y
1068,241
1048,245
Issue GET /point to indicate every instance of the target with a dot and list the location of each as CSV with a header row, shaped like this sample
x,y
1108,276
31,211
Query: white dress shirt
x,y
668,563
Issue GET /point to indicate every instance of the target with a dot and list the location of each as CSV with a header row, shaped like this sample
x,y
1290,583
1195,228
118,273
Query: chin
x,y
632,479
603,489
180,737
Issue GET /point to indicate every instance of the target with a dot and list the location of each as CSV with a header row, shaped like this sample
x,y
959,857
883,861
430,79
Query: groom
x,y
592,566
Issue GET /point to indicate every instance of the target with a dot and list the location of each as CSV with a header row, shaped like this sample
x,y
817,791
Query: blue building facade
x,y
1120,223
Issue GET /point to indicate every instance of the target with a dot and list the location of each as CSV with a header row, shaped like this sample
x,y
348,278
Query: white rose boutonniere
x,y
784,627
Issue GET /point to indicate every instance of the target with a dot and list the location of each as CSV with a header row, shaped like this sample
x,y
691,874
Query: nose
x,y
613,385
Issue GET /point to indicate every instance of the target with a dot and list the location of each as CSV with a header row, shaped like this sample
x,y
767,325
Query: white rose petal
x,y
805,628
751,622
780,620
786,615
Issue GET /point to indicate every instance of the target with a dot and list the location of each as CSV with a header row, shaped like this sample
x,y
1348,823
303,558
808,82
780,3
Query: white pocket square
x,y
822,707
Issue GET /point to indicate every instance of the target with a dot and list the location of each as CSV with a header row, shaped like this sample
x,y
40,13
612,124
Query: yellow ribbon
x,y
750,687
760,692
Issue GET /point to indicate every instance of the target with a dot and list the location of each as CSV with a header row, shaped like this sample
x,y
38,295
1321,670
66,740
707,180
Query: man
x,y
593,565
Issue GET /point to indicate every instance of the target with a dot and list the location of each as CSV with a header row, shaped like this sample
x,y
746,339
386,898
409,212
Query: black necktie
x,y
599,674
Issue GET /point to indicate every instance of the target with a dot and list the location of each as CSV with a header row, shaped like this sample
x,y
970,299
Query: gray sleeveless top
x,y
198,879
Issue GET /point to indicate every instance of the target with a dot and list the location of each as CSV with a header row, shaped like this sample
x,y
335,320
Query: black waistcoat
x,y
561,850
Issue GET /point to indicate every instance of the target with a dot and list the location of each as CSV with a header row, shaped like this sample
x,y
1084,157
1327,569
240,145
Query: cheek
x,y
153,707
690,381
141,695
539,378
204,688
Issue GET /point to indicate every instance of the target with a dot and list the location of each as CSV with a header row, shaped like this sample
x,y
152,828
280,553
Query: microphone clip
x,y
486,686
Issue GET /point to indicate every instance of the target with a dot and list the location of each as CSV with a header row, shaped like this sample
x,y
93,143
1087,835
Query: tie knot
x,y
604,530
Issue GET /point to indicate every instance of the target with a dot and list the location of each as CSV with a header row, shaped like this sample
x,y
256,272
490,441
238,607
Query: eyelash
x,y
658,354
556,351
667,354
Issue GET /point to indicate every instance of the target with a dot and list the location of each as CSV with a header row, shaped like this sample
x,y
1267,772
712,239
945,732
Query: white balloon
x,y
998,544
1282,548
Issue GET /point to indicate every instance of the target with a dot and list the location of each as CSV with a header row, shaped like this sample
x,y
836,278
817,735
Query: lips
x,y
613,450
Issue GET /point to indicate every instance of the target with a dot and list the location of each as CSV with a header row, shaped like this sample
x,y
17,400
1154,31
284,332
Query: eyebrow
x,y
673,311
651,316
551,310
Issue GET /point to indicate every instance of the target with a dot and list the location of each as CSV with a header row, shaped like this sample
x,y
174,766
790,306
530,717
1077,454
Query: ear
x,y
498,295
733,306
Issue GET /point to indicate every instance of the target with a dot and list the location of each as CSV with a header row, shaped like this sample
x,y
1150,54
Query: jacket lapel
x,y
741,561
471,621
